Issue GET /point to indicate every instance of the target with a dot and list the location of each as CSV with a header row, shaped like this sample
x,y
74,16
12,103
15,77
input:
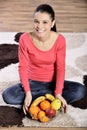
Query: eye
x,y
36,21
45,22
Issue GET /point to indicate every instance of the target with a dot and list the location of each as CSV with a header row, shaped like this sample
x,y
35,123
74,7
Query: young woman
x,y
42,55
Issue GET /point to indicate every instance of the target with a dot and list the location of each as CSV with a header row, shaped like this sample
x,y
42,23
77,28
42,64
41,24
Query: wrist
x,y
28,93
57,92
58,95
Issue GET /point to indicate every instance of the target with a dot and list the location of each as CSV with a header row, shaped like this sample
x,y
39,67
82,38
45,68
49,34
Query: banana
x,y
38,100
49,97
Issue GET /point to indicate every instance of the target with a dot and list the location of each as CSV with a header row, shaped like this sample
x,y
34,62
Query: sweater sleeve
x,y
23,64
60,65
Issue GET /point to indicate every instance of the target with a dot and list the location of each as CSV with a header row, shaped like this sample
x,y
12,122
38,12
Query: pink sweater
x,y
41,65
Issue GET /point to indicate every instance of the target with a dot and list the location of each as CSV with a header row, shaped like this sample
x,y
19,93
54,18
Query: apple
x,y
50,112
56,104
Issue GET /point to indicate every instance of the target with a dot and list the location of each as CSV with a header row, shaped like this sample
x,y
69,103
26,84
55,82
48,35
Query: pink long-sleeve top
x,y
42,65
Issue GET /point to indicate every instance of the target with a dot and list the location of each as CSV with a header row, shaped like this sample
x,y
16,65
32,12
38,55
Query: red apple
x,y
51,112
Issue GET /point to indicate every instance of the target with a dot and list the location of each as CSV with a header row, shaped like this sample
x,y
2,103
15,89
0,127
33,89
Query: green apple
x,y
56,104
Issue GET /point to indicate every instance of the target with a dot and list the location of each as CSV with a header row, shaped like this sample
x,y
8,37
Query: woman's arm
x,y
23,72
60,65
60,71
23,63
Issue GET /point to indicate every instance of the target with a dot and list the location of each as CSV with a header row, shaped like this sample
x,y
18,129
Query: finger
x,y
65,108
26,107
24,110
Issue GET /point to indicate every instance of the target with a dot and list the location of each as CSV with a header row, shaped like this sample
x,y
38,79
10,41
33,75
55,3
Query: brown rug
x,y
10,116
8,54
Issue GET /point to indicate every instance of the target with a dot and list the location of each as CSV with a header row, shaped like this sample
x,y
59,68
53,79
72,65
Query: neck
x,y
43,39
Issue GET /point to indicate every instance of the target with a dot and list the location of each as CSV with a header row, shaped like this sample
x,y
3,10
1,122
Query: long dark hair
x,y
48,9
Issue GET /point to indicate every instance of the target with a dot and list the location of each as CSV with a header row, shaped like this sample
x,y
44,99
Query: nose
x,y
40,25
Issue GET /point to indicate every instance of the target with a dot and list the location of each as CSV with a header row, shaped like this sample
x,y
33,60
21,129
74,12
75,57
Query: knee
x,y
5,97
8,96
13,95
80,91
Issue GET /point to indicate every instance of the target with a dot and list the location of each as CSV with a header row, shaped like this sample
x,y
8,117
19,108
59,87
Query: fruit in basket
x,y
49,97
45,104
34,110
51,113
38,100
44,119
56,104
44,108
41,114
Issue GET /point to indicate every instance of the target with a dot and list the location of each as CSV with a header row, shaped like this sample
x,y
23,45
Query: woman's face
x,y
42,24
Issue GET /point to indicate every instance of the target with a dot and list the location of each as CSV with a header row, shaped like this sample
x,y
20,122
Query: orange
x,y
34,110
41,114
44,119
35,117
45,104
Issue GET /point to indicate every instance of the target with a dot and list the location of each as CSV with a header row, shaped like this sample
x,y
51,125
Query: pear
x,y
56,104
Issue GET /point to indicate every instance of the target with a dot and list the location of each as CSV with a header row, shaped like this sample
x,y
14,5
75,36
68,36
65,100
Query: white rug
x,y
76,67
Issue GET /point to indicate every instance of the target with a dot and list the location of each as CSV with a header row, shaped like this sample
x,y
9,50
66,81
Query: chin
x,y
41,35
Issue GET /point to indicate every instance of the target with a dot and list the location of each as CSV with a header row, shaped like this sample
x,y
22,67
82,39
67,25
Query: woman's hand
x,y
64,103
27,102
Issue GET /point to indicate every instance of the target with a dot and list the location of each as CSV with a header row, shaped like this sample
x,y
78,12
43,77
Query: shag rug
x,y
76,68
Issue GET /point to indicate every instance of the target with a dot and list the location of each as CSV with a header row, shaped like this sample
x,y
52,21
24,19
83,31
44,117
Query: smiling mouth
x,y
40,31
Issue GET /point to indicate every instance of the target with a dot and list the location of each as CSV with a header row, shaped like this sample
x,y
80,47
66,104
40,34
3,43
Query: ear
x,y
53,22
